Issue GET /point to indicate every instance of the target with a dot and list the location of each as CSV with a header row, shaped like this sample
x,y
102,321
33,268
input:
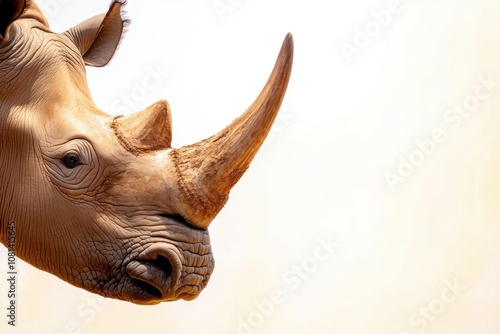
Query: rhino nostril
x,y
148,288
165,265
154,276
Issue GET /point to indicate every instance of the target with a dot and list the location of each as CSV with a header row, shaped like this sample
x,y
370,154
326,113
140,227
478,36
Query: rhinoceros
x,y
104,202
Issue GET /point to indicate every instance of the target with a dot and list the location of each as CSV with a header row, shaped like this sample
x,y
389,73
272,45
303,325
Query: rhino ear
x,y
10,10
98,37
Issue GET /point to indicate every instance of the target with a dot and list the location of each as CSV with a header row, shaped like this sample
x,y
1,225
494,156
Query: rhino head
x,y
105,203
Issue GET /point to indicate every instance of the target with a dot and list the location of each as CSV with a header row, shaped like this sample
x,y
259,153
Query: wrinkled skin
x,y
102,202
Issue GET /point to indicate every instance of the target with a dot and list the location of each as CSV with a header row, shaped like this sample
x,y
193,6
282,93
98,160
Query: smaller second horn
x,y
147,130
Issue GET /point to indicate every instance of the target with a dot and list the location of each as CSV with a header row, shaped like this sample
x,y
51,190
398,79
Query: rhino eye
x,y
71,160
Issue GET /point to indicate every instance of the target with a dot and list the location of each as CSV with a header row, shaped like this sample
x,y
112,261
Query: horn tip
x,y
287,47
288,42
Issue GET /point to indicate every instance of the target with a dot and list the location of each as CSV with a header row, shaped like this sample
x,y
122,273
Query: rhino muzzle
x,y
164,272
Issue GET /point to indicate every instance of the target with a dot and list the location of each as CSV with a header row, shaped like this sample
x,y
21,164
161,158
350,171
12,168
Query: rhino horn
x,y
206,171
147,130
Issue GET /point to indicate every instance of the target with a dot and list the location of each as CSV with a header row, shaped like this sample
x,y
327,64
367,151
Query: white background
x,y
322,175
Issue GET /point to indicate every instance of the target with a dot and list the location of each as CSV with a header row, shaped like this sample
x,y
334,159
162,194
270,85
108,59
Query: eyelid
x,y
74,152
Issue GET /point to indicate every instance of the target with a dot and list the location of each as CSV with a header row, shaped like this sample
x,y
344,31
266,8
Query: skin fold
x,y
103,202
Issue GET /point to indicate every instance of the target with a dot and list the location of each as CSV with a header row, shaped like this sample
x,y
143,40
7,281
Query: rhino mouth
x,y
168,270
154,275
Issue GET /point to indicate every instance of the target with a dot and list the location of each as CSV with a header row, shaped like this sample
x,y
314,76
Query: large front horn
x,y
206,171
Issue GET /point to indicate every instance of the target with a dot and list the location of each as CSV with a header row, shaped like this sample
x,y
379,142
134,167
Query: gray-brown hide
x,y
104,202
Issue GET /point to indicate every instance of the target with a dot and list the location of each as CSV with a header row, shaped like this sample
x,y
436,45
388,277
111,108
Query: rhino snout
x,y
169,272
